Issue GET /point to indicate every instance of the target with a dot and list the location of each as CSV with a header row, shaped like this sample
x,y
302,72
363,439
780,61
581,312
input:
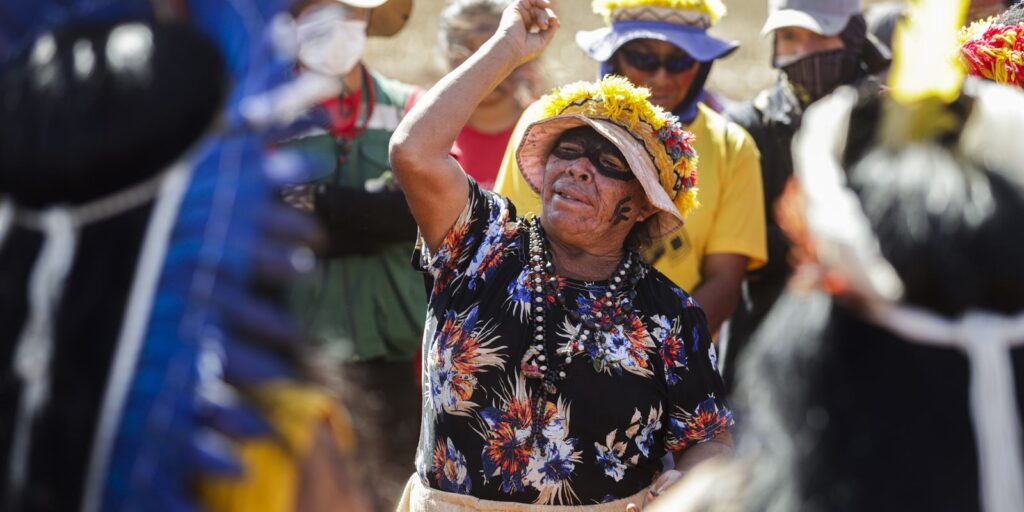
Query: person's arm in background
x,y
359,221
720,286
382,216
737,242
435,185
773,141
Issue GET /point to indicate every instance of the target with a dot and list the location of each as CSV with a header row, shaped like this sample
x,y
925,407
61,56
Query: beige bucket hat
x,y
656,147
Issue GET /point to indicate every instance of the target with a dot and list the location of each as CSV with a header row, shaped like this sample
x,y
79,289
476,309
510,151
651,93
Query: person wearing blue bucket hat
x,y
678,25
664,45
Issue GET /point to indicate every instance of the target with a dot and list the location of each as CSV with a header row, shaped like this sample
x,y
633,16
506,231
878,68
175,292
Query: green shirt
x,y
365,306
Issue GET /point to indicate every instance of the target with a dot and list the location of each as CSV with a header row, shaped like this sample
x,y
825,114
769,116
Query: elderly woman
x,y
664,45
559,368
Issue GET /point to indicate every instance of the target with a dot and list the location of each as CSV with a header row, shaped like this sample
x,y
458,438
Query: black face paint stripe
x,y
592,146
594,155
621,213
615,175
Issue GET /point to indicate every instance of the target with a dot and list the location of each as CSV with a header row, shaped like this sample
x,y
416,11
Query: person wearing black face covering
x,y
818,45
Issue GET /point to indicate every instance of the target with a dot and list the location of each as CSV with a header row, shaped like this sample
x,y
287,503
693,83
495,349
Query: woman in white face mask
x,y
331,38
331,34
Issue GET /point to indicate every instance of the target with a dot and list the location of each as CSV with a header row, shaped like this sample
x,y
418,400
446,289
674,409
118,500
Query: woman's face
x,y
589,192
668,84
795,43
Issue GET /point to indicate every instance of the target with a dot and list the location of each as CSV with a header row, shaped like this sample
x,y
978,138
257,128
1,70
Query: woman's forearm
x,y
720,445
433,124
434,183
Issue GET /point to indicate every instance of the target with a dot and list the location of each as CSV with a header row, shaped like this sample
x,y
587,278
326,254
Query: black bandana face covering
x,y
816,75
584,142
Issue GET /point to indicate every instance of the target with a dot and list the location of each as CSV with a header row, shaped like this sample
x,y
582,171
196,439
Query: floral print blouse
x,y
653,389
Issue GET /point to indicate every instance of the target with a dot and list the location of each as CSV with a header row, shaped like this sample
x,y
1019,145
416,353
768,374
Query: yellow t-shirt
x,y
730,218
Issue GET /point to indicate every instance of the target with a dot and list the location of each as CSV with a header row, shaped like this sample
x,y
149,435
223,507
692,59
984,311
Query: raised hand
x,y
528,26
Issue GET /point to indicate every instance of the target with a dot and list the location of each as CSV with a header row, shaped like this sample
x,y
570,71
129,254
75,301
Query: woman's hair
x,y
946,222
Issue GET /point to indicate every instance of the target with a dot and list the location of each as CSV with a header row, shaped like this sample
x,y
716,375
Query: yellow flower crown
x,y
715,9
617,100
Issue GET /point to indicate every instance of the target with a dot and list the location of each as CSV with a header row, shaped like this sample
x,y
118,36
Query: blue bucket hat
x,y
683,23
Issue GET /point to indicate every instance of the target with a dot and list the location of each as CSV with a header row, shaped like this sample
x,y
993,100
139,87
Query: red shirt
x,y
480,154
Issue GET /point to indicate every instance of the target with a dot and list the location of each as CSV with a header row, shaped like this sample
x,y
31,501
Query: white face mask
x,y
328,43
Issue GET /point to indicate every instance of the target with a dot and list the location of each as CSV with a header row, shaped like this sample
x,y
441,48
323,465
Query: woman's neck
x,y
496,117
592,264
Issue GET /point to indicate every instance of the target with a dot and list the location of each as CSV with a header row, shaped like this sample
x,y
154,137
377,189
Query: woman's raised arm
x,y
434,183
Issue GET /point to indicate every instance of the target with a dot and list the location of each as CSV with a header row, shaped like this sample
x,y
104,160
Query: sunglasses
x,y
649,62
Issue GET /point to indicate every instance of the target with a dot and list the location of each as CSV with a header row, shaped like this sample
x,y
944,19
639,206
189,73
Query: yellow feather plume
x,y
925,45
926,74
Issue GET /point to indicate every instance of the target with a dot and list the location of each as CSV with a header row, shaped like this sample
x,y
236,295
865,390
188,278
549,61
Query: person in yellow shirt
x,y
663,45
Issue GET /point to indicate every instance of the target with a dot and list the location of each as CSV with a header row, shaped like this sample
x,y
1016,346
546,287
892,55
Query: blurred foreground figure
x,y
888,376
146,360
817,45
882,19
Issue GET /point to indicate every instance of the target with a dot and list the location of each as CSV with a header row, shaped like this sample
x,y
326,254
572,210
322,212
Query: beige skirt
x,y
420,498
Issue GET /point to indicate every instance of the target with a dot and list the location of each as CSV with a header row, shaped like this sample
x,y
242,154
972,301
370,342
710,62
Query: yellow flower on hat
x,y
617,100
714,9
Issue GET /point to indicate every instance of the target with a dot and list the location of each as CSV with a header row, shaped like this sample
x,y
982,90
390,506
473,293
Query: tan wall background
x,y
411,56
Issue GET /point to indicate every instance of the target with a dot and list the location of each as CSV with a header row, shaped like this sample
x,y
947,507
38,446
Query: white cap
x,y
823,17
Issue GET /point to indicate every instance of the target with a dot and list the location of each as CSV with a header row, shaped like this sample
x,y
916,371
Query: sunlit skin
x,y
795,43
668,90
581,205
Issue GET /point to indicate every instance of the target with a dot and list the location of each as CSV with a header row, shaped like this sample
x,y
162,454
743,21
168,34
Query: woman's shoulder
x,y
498,209
663,293
482,239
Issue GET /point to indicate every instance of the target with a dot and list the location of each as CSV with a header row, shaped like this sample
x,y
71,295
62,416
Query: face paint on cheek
x,y
621,213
